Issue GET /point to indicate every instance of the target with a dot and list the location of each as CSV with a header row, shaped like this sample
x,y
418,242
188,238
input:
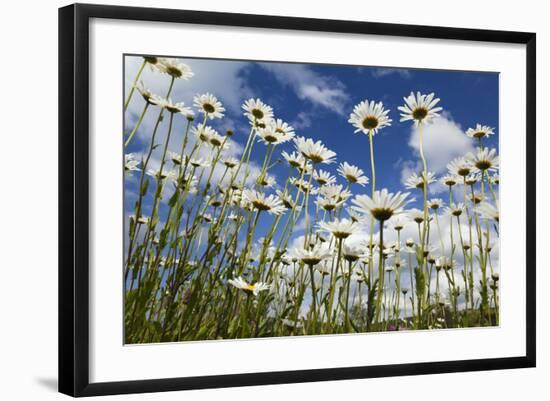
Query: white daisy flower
x,y
436,203
382,206
472,179
173,108
218,141
254,289
460,166
140,220
231,162
294,159
270,135
209,105
323,177
147,95
203,133
398,222
271,204
445,263
303,185
485,159
174,68
415,181
266,180
489,211
456,210
420,108
480,131
256,110
353,252
353,174
340,228
131,164
200,162
335,191
450,180
286,199
369,117
283,128
156,173
314,151
328,204
313,256
416,215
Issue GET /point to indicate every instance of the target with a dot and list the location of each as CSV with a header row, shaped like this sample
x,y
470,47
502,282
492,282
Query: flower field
x,y
217,247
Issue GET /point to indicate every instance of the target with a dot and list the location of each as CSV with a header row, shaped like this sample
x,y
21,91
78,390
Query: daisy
x,y
218,141
256,110
270,204
209,105
352,252
398,222
416,181
456,210
335,192
460,167
313,256
328,204
199,163
140,220
445,263
369,117
231,162
323,177
174,108
175,158
254,289
485,159
339,228
353,174
450,180
420,108
472,179
489,211
266,180
286,199
203,133
435,203
382,206
303,185
147,95
270,135
130,164
416,215
480,131
314,151
174,68
282,127
494,179
152,172
294,159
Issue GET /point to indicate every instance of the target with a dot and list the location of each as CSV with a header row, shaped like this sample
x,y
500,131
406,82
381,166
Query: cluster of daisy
x,y
331,257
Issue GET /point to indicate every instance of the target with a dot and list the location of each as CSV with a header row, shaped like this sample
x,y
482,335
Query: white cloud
x,y
302,120
382,72
443,140
321,90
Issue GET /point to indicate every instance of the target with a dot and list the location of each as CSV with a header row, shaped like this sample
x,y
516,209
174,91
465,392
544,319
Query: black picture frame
x,y
74,199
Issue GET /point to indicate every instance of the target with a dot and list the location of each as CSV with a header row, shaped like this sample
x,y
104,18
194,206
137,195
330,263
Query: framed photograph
x,y
249,199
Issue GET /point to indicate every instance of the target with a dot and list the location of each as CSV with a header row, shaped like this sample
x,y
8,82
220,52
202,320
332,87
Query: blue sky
x,y
317,99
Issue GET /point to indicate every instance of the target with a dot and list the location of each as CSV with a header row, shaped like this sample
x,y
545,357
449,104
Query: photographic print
x,y
272,199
